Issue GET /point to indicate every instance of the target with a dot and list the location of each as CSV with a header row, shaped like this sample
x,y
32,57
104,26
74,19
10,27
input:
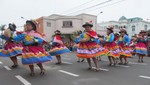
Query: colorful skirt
x,y
90,50
141,48
125,50
114,50
34,54
11,49
132,48
58,49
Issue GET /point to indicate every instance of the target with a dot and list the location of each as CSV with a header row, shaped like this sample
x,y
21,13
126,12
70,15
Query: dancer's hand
x,y
31,40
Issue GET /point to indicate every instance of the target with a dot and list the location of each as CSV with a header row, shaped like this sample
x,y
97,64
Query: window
x,y
124,26
145,26
120,27
67,24
133,27
48,24
116,26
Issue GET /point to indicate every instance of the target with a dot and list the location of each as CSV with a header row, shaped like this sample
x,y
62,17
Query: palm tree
x,y
2,28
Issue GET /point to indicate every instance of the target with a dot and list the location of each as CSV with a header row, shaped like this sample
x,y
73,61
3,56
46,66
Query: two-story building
x,y
132,25
66,24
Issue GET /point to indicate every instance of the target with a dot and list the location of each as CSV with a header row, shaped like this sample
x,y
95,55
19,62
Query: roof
x,y
135,19
122,18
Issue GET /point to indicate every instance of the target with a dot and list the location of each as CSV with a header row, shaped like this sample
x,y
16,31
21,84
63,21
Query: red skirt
x,y
35,54
125,50
113,48
90,50
11,49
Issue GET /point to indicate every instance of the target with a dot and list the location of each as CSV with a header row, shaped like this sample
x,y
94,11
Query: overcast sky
x,y
12,10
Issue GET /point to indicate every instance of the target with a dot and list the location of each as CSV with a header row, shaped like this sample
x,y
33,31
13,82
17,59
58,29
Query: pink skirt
x,y
11,49
35,54
141,48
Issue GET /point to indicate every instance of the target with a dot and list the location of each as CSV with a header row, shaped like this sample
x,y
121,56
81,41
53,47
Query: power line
x,y
92,6
107,5
78,6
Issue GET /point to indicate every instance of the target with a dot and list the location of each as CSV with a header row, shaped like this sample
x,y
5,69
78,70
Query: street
x,y
73,73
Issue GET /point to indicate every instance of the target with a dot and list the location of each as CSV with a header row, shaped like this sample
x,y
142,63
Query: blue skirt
x,y
11,49
58,49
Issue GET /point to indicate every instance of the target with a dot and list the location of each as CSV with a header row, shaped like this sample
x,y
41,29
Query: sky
x,y
11,11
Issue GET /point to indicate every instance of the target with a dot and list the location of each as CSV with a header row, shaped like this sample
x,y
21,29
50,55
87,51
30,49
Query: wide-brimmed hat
x,y
123,30
110,28
142,31
33,23
12,27
79,32
87,24
57,32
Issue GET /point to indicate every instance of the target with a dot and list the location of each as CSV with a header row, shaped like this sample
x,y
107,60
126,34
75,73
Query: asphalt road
x,y
73,73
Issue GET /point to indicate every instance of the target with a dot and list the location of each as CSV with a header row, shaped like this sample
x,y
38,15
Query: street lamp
x,y
148,19
97,16
23,18
100,13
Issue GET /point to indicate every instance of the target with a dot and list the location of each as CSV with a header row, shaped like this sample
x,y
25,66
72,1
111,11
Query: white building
x,y
132,25
66,24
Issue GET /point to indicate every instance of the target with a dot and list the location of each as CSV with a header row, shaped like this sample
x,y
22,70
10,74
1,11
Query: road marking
x,y
1,62
101,69
138,63
72,74
104,60
122,66
7,68
104,69
24,81
66,62
146,77
67,58
18,58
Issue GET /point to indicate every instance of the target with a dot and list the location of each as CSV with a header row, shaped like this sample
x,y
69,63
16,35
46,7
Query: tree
x,y
2,28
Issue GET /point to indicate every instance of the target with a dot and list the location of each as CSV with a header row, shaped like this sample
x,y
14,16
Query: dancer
x,y
88,47
141,48
112,47
33,52
124,42
58,47
11,49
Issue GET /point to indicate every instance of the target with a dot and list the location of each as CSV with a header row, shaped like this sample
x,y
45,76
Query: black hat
x,y
57,32
12,27
123,30
32,23
87,24
142,31
79,32
99,35
110,28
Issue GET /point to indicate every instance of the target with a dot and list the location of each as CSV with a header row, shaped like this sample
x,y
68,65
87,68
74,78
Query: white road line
x,y
67,58
72,74
104,69
7,68
104,60
66,62
18,58
137,63
122,66
24,81
146,77
1,62
101,69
